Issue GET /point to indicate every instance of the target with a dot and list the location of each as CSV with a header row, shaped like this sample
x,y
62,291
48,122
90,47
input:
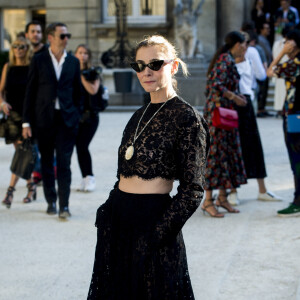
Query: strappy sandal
x,y
9,197
214,213
226,205
31,193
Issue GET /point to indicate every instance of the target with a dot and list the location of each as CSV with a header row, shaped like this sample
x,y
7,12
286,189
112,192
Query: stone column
x,y
230,16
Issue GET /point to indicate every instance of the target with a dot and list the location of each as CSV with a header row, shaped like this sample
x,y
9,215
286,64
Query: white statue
x,y
186,29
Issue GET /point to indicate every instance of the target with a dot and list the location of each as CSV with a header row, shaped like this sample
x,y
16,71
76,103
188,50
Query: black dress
x,y
252,150
140,252
15,87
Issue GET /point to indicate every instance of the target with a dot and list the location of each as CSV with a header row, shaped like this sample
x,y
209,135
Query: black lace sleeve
x,y
192,146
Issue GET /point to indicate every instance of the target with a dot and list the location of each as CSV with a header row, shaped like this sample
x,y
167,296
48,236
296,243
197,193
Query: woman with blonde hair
x,y
140,253
12,91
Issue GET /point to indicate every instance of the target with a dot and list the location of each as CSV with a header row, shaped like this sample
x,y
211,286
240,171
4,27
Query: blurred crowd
x,y
238,78
53,98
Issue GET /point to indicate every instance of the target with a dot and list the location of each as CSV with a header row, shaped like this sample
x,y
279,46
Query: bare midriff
x,y
137,185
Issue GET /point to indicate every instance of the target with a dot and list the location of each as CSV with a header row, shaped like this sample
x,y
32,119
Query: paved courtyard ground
x,y
254,255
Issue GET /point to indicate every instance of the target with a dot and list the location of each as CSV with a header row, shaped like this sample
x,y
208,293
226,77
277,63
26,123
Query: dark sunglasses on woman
x,y
154,65
20,47
64,35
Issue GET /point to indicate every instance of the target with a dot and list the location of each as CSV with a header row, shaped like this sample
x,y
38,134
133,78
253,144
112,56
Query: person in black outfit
x,y
290,71
12,93
90,119
52,108
33,32
259,15
140,252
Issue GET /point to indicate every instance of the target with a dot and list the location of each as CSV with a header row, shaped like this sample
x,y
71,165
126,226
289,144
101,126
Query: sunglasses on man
x,y
154,65
64,35
20,47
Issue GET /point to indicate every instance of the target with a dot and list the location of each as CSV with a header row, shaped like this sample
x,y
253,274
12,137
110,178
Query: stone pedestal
x,y
136,97
192,88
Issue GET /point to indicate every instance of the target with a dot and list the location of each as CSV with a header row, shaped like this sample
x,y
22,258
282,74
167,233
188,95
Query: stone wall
x,y
22,3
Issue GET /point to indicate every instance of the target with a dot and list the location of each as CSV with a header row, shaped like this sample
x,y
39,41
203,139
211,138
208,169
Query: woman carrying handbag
x,y
225,166
12,91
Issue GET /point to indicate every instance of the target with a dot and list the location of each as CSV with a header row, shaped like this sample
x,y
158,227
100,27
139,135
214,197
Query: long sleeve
x,y
30,94
78,92
223,77
256,63
289,69
219,77
193,144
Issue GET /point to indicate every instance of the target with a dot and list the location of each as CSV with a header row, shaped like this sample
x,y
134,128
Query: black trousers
x,y
262,93
292,141
252,150
61,140
86,132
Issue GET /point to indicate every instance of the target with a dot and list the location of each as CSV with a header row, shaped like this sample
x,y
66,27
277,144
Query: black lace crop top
x,y
173,146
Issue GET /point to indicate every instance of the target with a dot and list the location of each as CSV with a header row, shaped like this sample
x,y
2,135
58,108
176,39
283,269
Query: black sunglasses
x,y
64,35
154,65
20,47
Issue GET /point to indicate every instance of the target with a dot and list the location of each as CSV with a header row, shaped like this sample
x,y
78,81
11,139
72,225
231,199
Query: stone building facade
x,y
93,22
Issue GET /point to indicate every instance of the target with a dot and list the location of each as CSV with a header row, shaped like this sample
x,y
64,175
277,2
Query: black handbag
x,y
24,160
3,126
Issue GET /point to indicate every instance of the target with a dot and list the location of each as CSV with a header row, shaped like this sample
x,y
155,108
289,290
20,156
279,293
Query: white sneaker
x,y
233,199
90,184
268,196
82,185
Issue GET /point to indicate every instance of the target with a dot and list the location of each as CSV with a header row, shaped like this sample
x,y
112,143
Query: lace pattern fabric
x,y
139,236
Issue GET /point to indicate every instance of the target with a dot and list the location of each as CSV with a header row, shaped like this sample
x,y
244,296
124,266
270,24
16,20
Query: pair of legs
x,y
261,186
13,182
262,96
292,141
221,201
86,132
61,140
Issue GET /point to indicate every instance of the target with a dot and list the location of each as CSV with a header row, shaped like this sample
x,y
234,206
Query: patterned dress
x,y
225,167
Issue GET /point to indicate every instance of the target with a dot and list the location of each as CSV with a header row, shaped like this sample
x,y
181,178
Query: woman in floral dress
x,y
290,71
225,166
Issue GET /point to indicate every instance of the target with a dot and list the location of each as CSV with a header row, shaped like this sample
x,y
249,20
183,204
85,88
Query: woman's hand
x,y
289,46
240,100
5,107
26,132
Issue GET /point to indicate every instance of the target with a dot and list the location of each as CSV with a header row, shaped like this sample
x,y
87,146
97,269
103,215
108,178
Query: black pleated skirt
x,y
252,150
129,264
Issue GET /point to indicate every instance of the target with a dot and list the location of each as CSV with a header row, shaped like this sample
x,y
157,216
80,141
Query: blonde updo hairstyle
x,y
29,53
167,48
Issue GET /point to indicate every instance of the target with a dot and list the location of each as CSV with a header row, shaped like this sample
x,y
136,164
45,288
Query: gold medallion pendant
x,y
129,152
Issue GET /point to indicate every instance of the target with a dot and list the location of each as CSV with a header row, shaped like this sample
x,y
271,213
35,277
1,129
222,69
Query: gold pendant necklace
x,y
130,150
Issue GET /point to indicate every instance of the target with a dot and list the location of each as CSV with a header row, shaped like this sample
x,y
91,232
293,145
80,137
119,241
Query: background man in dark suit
x,y
52,109
34,33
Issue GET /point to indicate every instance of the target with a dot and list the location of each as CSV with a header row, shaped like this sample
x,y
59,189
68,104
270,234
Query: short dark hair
x,y
248,25
52,27
253,35
295,36
260,26
33,22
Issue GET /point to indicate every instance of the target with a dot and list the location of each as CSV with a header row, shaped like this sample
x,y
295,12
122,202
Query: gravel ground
x,y
251,255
